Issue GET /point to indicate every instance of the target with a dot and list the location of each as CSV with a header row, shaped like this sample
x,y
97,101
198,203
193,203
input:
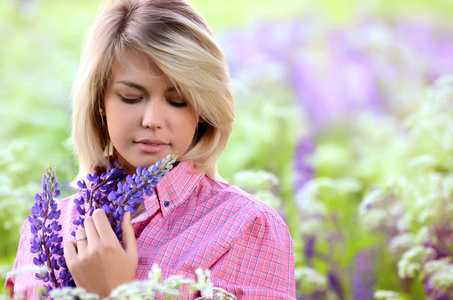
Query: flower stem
x,y
43,239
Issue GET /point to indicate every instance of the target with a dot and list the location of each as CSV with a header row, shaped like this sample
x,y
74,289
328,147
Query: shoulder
x,y
260,250
244,205
67,207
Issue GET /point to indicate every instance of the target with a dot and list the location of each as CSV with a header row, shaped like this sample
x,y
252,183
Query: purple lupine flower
x,y
46,242
115,192
96,195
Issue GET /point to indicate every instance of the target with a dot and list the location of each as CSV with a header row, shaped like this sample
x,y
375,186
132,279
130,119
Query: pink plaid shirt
x,y
195,222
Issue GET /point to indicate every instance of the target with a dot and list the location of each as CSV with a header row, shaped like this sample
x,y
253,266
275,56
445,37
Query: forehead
x,y
134,64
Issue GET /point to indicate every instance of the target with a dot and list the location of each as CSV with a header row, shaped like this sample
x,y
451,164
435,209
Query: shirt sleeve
x,y
9,286
18,263
260,261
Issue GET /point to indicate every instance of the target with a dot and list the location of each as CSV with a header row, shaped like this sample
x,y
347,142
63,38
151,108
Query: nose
x,y
153,114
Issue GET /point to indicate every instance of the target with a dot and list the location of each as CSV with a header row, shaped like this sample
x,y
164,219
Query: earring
x,y
101,111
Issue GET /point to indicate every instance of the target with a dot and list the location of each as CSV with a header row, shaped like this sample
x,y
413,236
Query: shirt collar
x,y
174,188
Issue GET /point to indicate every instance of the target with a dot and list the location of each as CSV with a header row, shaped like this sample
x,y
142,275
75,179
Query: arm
x,y
99,263
260,262
20,261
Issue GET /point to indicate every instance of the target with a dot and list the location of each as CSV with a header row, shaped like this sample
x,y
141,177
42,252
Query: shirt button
x,y
166,203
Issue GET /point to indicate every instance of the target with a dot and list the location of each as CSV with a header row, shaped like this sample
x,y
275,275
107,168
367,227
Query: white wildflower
x,y
443,279
412,259
403,218
261,184
68,293
437,265
447,142
374,218
401,243
440,273
347,185
131,290
313,226
387,295
309,193
269,198
425,162
307,200
312,278
371,200
155,274
204,283
448,183
426,206
260,180
422,235
28,269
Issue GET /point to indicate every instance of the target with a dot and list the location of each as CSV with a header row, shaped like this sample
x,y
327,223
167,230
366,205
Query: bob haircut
x,y
179,40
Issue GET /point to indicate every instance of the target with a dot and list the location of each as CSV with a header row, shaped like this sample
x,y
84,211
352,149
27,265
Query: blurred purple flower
x,y
304,171
336,74
363,278
310,242
433,44
265,49
336,285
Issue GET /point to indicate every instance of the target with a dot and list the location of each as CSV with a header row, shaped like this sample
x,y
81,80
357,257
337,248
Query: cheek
x,y
116,123
187,125
192,124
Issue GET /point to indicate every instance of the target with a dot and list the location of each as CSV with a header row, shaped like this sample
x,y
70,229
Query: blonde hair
x,y
178,39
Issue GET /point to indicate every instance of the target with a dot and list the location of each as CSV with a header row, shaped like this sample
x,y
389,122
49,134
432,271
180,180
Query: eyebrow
x,y
143,89
132,85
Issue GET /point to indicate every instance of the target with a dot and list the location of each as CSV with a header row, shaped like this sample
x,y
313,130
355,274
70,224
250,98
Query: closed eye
x,y
130,100
174,98
177,104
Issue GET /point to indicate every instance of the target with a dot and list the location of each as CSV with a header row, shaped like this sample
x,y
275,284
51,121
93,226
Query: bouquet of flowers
x,y
113,191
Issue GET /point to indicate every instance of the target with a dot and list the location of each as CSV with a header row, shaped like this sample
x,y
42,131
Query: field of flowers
x,y
344,125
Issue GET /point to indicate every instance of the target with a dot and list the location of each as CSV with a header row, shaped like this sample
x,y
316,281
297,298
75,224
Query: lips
x,y
150,142
151,145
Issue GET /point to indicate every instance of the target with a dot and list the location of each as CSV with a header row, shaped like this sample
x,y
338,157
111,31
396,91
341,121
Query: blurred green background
x,y
40,44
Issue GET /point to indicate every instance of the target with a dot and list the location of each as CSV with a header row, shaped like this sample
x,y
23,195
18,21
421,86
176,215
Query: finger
x,y
128,237
103,227
70,252
81,242
91,232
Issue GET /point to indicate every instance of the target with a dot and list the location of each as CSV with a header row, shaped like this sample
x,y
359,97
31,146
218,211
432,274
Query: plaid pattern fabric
x,y
195,222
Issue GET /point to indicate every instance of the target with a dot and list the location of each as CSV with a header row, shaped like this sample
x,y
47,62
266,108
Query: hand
x,y
99,264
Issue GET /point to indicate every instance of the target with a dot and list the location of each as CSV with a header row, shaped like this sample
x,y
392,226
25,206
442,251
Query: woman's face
x,y
146,117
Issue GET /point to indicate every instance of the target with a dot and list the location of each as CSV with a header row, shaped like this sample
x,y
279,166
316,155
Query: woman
x,y
153,81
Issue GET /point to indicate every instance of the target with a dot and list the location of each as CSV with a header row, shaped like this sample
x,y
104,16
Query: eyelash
x,y
129,100
177,104
136,100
